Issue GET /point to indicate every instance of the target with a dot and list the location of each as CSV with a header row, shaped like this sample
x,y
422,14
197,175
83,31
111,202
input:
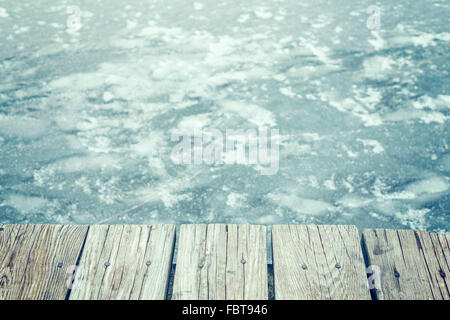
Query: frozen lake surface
x,y
86,114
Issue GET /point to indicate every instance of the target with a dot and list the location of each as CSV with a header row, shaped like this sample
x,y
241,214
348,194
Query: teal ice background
x,y
86,117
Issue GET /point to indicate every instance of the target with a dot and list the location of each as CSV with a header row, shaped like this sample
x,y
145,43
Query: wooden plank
x,y
125,262
318,263
413,265
34,260
221,262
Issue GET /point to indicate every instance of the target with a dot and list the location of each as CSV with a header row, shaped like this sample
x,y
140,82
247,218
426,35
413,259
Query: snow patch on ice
x,y
378,67
3,13
26,204
263,13
78,164
198,6
375,145
300,205
236,200
22,127
429,186
251,112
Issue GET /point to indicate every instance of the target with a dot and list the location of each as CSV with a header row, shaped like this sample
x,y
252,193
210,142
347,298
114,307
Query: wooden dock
x,y
225,262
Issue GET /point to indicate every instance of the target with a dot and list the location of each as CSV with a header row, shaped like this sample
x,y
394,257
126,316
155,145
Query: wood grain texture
x,y
221,262
34,260
413,265
318,263
125,262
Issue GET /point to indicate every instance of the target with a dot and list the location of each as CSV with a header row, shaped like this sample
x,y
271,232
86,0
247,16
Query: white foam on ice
x,y
422,39
236,200
83,184
378,67
195,122
302,206
79,164
353,201
350,153
437,103
243,17
427,117
26,204
374,145
294,148
288,92
355,108
169,191
322,53
263,13
415,219
198,5
22,127
3,13
107,96
329,184
377,41
429,186
250,112
444,163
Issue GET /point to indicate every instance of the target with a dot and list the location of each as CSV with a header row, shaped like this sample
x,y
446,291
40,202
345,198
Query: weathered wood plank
x,y
34,260
221,262
122,262
318,263
413,265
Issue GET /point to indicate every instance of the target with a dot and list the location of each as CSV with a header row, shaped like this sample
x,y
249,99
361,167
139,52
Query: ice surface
x,y
87,114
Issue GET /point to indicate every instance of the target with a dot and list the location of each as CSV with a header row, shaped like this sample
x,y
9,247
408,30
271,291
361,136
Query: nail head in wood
x,y
304,267
338,266
107,264
396,274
